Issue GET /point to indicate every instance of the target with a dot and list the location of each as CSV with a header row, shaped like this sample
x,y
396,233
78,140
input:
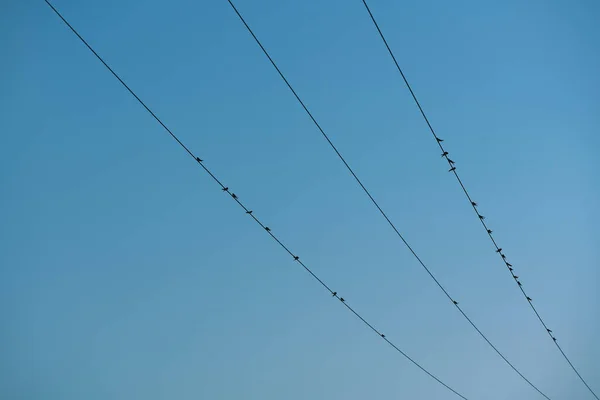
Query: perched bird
x,y
198,159
267,229
499,250
511,270
553,338
508,264
455,302
519,283
439,140
249,212
225,189
452,169
334,294
474,204
342,299
481,217
296,258
490,231
383,336
450,161
529,298
503,256
444,154
549,330
233,195
515,276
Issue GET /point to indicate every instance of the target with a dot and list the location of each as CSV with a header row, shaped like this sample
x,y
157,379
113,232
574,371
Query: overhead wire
x,y
249,212
376,204
473,204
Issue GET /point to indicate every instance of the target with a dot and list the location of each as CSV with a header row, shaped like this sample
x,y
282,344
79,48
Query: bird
x,y
508,264
233,195
296,258
439,140
474,204
452,169
450,161
499,250
519,283
342,299
198,159
489,231
334,294
382,335
455,302
549,330
267,229
511,270
503,256
249,212
529,298
225,189
515,276
481,216
444,154
553,338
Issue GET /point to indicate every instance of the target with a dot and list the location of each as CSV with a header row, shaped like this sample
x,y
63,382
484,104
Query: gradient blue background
x,y
127,274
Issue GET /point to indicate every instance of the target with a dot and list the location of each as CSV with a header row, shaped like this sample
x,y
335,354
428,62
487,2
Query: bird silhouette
x,y
233,195
444,154
267,229
296,258
490,231
508,264
342,299
503,256
519,283
553,338
511,270
455,302
383,336
481,217
249,212
439,140
499,250
198,159
225,189
334,294
452,169
515,276
549,330
474,204
529,298
450,161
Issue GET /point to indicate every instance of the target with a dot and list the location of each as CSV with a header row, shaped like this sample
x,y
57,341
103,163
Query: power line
x,y
471,201
376,204
251,213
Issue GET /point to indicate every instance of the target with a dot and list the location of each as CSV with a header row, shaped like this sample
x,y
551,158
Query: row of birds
x,y
474,204
445,155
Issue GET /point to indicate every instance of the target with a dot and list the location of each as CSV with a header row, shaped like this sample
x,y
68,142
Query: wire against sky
x,y
377,205
250,212
481,218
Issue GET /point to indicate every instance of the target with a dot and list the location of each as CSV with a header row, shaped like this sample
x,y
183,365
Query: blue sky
x,y
126,273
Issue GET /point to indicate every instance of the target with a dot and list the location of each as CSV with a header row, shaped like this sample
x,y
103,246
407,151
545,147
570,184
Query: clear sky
x,y
125,273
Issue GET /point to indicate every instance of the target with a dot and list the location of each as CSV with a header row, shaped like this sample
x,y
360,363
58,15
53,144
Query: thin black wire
x,y
250,213
375,202
473,203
